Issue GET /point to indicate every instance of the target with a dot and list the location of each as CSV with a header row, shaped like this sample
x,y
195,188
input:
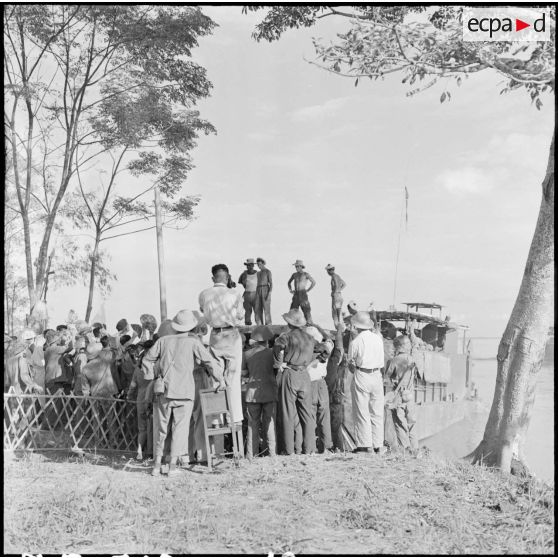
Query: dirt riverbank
x,y
338,504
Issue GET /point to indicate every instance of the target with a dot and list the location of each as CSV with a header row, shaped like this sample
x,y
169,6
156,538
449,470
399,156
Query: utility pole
x,y
160,255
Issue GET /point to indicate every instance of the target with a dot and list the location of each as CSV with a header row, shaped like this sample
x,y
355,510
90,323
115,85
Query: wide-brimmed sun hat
x,y
261,333
313,331
92,350
28,334
250,261
295,317
329,267
83,327
362,320
300,263
185,320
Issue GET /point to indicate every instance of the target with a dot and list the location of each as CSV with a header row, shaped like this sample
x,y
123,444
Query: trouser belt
x,y
368,370
296,367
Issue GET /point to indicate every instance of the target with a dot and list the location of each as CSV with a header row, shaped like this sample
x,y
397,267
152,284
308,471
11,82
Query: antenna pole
x,y
398,248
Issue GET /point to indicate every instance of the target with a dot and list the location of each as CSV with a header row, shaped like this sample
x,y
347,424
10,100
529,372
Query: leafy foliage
x,y
84,79
419,42
72,264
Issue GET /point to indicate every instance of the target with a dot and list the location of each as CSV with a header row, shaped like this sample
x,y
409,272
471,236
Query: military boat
x,y
444,383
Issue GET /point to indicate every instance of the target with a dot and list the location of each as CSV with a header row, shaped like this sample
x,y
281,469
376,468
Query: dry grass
x,y
362,504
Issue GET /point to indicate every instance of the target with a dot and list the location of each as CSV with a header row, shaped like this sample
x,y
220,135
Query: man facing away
x,y
320,393
300,292
261,392
366,359
223,310
176,356
263,294
337,285
401,373
249,280
292,353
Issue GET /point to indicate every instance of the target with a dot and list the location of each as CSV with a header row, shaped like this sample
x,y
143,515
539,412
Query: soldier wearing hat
x,y
263,294
57,347
18,373
337,285
176,356
249,280
301,278
366,360
261,392
292,353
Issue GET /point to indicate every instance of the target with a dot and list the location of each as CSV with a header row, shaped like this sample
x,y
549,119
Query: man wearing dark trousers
x,y
249,280
293,352
303,283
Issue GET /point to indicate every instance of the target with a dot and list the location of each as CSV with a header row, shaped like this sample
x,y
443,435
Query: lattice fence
x,y
62,421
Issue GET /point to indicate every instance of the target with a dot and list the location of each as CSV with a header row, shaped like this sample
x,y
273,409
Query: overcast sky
x,y
307,166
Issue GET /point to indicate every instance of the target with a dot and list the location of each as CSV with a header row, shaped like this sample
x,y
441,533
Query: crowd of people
x,y
279,381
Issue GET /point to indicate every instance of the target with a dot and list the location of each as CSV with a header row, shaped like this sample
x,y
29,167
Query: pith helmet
x,y
295,317
185,320
362,320
261,333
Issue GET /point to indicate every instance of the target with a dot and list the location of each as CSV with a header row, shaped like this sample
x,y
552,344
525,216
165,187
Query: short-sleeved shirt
x,y
297,347
221,306
261,386
367,350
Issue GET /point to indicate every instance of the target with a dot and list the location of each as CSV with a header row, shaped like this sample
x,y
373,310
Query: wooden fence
x,y
59,421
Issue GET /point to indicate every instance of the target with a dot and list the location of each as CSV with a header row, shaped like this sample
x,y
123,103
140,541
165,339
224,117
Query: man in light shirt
x,y
249,280
366,359
223,311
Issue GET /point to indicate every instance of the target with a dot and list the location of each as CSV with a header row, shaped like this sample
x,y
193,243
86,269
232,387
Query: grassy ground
x,y
342,504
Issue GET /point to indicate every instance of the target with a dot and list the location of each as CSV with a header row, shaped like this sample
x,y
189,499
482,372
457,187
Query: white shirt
x,y
367,350
221,306
317,370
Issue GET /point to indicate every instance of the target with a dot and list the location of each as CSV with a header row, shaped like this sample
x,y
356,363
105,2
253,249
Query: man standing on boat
x,y
337,285
249,280
263,294
223,310
300,293
366,359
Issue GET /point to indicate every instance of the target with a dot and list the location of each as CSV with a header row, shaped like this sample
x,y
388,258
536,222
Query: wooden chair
x,y
214,405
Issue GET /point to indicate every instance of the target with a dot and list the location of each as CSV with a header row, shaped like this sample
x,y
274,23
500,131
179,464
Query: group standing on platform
x,y
279,383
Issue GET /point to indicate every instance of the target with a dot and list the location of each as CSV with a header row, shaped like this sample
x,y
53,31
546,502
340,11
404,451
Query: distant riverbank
x,y
337,504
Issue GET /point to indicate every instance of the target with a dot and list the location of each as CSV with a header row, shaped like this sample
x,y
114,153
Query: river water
x,y
462,438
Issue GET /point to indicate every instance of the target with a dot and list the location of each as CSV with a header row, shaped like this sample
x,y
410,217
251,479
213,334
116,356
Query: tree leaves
x,y
418,43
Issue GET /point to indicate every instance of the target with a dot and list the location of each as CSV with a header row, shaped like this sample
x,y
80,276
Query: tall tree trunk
x,y
94,257
160,255
522,347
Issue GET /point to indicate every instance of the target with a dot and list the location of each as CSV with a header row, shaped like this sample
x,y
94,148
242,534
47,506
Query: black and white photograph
x,y
279,279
